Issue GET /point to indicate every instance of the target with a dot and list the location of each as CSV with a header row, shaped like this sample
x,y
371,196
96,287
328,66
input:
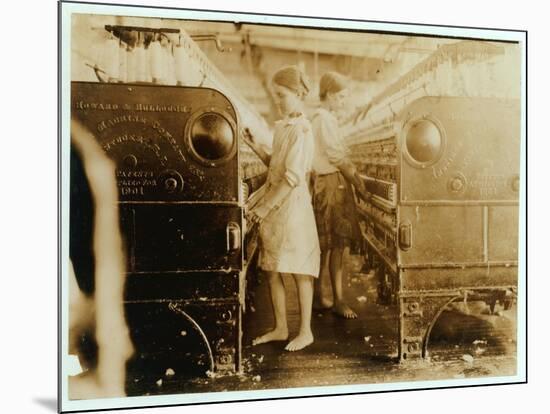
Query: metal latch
x,y
405,236
233,235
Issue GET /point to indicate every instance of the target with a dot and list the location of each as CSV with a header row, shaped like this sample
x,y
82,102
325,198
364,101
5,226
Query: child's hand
x,y
251,140
257,214
362,112
248,137
363,194
361,190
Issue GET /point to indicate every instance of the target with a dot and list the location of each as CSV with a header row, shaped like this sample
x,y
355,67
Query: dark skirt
x,y
335,214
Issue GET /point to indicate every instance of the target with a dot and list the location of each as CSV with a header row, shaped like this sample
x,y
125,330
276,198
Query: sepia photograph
x,y
264,206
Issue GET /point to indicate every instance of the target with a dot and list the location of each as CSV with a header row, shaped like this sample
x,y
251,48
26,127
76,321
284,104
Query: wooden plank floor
x,y
359,351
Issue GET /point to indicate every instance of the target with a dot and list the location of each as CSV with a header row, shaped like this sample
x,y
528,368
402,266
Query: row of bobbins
x,y
138,56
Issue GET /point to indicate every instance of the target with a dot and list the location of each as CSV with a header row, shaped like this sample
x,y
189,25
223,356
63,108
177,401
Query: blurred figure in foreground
x,y
96,283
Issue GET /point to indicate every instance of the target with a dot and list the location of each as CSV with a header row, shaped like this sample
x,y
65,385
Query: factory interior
x,y
387,71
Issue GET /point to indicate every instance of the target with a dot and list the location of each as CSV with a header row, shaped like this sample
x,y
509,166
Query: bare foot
x,y
341,309
321,303
300,342
274,335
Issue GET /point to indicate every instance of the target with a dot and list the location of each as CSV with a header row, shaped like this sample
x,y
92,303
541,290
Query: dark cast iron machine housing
x,y
184,179
439,150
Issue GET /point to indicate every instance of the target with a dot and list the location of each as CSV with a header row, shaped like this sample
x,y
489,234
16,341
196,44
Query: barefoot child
x,y
289,243
333,202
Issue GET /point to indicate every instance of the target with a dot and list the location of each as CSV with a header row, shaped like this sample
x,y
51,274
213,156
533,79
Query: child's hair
x,y
293,78
331,82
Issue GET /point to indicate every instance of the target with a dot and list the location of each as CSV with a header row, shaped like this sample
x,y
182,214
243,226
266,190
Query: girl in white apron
x,y
288,234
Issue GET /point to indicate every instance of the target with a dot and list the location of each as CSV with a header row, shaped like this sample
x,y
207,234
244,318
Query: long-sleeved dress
x,y
289,242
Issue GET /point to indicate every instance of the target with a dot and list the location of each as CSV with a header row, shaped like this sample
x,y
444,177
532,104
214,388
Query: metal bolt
x,y
130,160
225,359
457,184
413,306
226,316
170,184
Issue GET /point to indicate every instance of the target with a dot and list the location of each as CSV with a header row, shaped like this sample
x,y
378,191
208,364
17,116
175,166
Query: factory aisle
x,y
359,351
